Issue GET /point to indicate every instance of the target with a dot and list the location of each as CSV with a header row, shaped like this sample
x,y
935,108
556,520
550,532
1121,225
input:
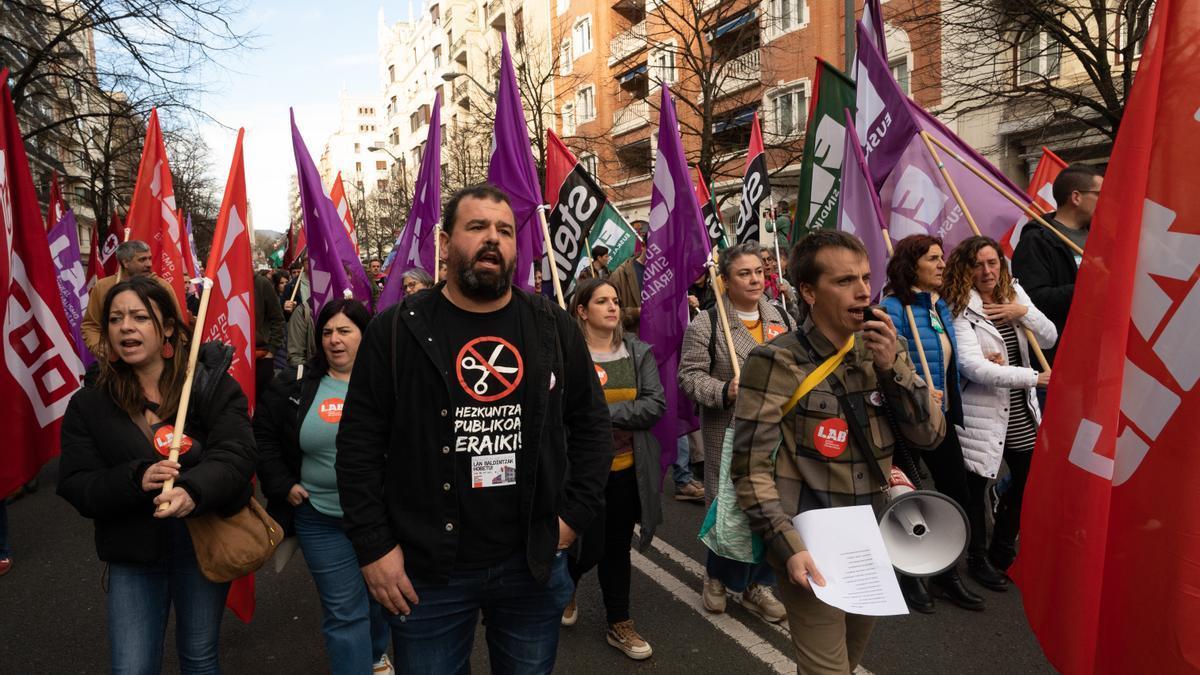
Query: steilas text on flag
x,y
1108,561
40,369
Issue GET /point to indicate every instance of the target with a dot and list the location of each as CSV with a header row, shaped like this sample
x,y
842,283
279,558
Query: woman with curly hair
x,y
914,276
1000,409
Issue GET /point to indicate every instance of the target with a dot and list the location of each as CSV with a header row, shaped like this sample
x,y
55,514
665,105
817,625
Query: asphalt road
x,y
52,617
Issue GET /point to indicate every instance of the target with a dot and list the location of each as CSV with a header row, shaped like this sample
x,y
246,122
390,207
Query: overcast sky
x,y
306,52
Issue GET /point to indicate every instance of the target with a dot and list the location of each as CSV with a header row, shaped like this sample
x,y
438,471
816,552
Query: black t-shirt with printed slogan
x,y
487,358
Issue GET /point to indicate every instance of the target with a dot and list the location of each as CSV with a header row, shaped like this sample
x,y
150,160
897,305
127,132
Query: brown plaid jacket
x,y
801,478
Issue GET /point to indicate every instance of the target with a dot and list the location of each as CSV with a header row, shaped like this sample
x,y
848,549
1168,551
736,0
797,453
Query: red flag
x,y
152,217
1110,543
230,317
708,209
1041,191
102,261
337,195
756,186
560,162
55,208
40,369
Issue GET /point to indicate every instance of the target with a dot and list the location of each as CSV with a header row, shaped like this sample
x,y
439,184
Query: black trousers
x,y
1008,515
945,464
605,544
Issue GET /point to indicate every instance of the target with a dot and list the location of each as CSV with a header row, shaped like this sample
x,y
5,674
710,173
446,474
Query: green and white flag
x,y
821,168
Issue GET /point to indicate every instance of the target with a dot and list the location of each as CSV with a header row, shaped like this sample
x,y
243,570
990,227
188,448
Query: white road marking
x,y
693,599
761,649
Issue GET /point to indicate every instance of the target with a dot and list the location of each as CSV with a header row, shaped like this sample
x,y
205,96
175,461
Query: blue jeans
x,y
356,632
682,469
522,619
140,599
737,575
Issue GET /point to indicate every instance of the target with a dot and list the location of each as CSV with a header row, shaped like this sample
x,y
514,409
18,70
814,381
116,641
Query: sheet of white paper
x,y
848,550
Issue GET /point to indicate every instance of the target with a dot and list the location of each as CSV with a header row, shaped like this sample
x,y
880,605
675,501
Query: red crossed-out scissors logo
x,y
494,377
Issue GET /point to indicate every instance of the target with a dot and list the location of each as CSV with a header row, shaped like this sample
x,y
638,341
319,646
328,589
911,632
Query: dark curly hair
x,y
960,274
902,268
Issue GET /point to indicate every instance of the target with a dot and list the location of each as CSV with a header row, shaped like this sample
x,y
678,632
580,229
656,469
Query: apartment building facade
x,y
725,61
347,150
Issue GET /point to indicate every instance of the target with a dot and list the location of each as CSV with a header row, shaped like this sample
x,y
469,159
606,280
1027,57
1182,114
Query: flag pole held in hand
x,y
186,397
721,316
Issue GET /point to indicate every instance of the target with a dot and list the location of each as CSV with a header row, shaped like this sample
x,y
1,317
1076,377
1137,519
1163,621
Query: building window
x,y
357,148
437,56
581,36
568,119
564,58
563,6
358,167
788,111
381,184
585,103
381,165
395,137
899,68
662,65
391,73
589,164
414,122
1038,57
789,14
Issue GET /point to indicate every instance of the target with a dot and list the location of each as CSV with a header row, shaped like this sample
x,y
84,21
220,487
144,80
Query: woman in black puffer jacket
x,y
115,439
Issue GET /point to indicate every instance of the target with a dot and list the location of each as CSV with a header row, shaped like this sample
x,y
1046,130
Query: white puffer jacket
x,y
986,385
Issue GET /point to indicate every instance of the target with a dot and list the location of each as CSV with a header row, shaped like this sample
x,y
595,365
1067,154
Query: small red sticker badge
x,y
331,410
602,374
162,441
773,332
830,437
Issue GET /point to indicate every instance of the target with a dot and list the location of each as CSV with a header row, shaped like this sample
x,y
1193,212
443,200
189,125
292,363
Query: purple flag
x,y
72,284
859,212
913,193
676,250
873,17
415,247
513,170
326,271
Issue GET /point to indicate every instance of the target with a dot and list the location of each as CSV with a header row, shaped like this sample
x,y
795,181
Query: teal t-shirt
x,y
318,446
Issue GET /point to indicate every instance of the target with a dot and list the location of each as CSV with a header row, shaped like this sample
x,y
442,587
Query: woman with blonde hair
x,y
1000,409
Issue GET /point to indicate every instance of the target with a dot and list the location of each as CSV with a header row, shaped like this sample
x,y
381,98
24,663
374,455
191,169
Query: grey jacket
x,y
639,416
301,342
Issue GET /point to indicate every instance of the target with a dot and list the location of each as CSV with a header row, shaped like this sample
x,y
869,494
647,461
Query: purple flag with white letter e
x,y
914,195
676,250
513,170
326,272
415,247
72,284
858,209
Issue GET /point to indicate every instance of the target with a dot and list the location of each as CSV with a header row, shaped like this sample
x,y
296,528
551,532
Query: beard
x,y
481,285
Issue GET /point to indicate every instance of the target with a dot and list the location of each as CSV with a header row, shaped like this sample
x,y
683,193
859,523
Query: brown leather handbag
x,y
229,547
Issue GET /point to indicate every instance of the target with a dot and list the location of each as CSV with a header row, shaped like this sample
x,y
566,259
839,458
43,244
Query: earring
x,y
168,350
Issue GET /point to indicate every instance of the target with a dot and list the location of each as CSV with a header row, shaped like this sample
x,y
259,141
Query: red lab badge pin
x,y
162,441
830,437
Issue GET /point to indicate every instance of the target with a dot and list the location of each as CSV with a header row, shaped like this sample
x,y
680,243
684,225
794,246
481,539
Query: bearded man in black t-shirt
x,y
474,444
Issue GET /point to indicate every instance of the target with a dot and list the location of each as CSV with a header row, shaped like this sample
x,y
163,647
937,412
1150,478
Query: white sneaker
x,y
383,666
713,595
570,613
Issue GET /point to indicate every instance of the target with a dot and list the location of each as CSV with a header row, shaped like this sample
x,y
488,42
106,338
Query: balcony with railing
x,y
627,43
633,116
459,89
495,14
740,73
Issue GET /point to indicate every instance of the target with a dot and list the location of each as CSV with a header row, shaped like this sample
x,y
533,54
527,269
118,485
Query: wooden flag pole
x,y
437,253
186,396
929,141
722,317
296,288
912,321
558,294
1034,215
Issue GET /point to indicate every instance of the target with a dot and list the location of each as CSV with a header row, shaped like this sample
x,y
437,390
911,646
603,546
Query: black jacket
x,y
1046,269
396,472
277,423
105,454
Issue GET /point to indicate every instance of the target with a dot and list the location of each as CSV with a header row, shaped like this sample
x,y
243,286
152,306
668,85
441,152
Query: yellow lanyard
x,y
818,375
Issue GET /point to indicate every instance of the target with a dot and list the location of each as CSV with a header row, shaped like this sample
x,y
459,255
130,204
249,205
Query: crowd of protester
x,y
478,450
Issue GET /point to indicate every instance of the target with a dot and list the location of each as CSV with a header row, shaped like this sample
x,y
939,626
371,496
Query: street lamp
x,y
451,76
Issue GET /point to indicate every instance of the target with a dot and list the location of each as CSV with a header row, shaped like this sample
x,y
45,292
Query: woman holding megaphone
x,y
993,322
115,440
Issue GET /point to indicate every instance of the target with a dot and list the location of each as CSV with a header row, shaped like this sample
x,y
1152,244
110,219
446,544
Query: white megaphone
x,y
925,532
